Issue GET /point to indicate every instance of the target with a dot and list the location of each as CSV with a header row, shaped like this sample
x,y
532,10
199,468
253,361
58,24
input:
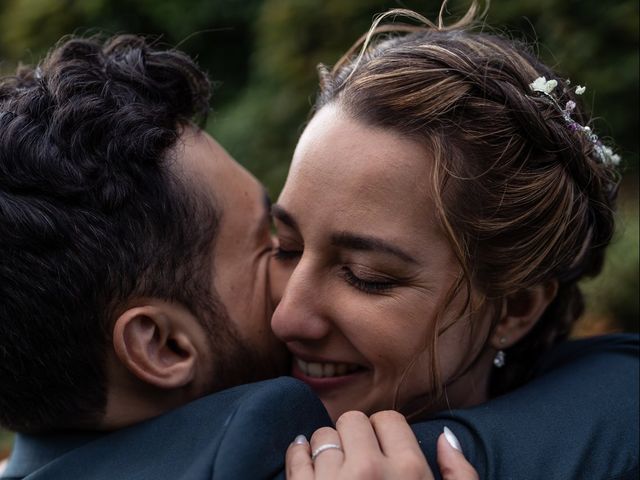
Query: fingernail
x,y
452,439
300,440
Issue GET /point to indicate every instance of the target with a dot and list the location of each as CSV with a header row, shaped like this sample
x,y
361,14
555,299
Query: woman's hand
x,y
382,447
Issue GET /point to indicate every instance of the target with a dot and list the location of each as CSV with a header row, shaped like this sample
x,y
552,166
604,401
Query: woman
x,y
442,205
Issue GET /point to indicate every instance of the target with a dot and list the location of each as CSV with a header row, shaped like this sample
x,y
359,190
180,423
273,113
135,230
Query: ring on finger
x,y
324,448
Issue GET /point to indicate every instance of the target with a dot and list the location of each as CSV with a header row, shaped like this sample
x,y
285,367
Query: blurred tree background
x,y
262,55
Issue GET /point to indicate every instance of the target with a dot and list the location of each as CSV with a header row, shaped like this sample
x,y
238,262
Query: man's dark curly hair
x,y
92,214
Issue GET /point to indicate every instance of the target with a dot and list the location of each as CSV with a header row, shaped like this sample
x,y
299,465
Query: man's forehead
x,y
196,147
235,190
203,161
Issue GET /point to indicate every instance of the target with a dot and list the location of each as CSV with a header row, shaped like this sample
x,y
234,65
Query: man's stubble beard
x,y
236,361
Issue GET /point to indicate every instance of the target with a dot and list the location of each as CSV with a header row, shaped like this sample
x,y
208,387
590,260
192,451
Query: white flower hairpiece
x,y
546,87
542,85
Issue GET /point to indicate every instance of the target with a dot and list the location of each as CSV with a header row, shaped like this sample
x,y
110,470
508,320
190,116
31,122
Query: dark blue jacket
x,y
235,434
578,419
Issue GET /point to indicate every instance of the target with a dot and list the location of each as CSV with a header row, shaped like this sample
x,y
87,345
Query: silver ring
x,y
322,448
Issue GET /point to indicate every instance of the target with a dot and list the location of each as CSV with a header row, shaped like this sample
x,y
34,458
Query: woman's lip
x,y
317,359
322,384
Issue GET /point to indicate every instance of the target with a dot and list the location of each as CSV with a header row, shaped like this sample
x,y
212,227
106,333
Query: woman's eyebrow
x,y
277,211
365,242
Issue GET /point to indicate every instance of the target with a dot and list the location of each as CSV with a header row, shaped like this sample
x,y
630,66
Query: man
x,y
134,253
133,286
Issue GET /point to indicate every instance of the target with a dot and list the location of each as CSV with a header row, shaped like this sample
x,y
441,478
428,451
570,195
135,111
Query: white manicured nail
x,y
300,440
452,439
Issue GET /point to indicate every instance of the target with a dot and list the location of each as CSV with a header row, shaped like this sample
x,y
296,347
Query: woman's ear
x,y
520,313
156,343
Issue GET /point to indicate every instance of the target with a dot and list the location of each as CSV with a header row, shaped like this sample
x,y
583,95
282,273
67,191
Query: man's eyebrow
x,y
364,242
265,218
281,214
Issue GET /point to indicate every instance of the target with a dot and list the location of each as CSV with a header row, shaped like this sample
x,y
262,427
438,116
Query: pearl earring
x,y
499,360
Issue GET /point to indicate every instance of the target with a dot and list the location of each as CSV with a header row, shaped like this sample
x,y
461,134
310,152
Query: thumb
x,y
453,465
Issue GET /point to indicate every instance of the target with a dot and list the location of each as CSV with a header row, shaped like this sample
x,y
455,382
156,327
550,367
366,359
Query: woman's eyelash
x,y
367,286
280,254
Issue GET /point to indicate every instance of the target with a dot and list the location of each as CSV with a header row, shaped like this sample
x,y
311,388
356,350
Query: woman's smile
x,y
325,369
325,376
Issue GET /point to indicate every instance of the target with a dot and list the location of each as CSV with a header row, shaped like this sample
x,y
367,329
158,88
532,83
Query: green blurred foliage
x,y
614,293
6,441
219,33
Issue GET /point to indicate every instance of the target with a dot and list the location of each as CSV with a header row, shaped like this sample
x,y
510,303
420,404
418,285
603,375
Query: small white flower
x,y
550,85
580,89
607,155
538,85
541,84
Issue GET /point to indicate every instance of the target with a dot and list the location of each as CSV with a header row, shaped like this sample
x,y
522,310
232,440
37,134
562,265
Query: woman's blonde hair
x,y
523,199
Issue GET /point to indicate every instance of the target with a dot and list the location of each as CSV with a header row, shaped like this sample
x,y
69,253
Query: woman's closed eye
x,y
368,284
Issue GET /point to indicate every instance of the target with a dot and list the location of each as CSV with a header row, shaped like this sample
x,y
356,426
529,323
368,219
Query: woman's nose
x,y
299,314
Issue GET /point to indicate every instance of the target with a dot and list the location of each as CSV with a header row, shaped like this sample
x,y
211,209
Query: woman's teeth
x,y
319,370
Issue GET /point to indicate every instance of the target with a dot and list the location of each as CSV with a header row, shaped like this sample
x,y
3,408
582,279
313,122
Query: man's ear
x,y
156,343
520,313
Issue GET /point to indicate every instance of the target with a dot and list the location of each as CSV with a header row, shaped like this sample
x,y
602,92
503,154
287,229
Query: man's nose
x,y
299,315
